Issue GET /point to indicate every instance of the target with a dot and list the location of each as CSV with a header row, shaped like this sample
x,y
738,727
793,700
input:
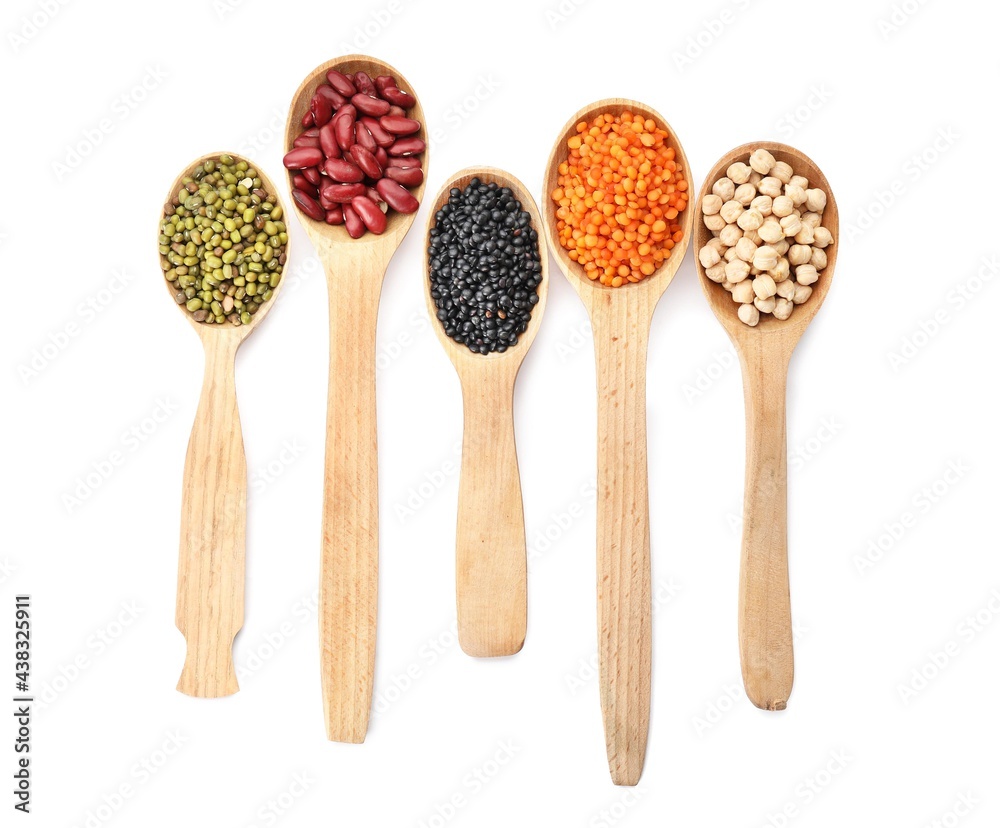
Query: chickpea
x,y
785,286
765,258
730,235
764,286
743,292
724,188
762,204
739,172
745,249
816,200
783,308
708,256
761,161
764,305
780,271
770,186
782,171
745,193
822,237
806,274
770,231
730,211
782,206
737,270
791,225
715,223
802,293
799,254
750,220
749,315
711,204
818,259
717,273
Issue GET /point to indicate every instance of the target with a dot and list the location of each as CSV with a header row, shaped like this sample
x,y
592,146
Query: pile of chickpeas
x,y
769,246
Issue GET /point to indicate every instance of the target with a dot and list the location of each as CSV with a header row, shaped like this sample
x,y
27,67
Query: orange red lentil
x,y
620,192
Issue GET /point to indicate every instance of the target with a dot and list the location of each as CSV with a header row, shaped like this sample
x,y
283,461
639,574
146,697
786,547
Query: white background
x,y
883,107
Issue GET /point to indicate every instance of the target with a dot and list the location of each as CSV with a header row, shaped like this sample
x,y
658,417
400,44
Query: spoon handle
x,y
623,567
349,562
491,554
211,570
765,620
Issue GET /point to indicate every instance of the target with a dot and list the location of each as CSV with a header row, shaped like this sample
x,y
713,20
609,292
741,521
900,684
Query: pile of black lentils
x,y
484,267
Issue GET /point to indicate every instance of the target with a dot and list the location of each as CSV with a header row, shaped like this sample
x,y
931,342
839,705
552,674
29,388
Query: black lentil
x,y
485,268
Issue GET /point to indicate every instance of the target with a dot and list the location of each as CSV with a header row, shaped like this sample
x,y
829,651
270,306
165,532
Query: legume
x,y
620,192
485,267
769,245
222,242
355,129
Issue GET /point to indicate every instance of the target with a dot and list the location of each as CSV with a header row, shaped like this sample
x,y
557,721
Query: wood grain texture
x,y
491,551
212,560
355,269
765,622
621,320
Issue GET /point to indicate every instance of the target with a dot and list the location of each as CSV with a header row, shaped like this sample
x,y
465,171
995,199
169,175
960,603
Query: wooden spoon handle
x,y
623,565
211,570
491,554
765,620
349,563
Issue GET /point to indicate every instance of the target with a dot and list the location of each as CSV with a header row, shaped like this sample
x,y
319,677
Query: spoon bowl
x,y
355,269
491,556
211,569
765,622
791,329
621,318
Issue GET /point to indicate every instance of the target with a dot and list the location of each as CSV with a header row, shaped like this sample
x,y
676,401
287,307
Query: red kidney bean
x,y
382,138
398,125
302,157
406,146
313,131
335,216
366,161
397,110
321,109
397,196
382,81
308,205
370,213
363,136
404,161
340,82
342,193
306,141
300,182
307,119
332,95
328,141
382,157
369,105
340,169
312,175
407,176
343,126
398,97
374,196
355,226
364,83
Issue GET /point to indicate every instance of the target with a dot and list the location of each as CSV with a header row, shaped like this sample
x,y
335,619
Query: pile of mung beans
x,y
222,242
769,244
485,266
357,154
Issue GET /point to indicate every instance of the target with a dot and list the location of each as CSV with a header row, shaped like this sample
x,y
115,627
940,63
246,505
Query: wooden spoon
x,y
211,571
765,622
348,600
621,319
491,557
